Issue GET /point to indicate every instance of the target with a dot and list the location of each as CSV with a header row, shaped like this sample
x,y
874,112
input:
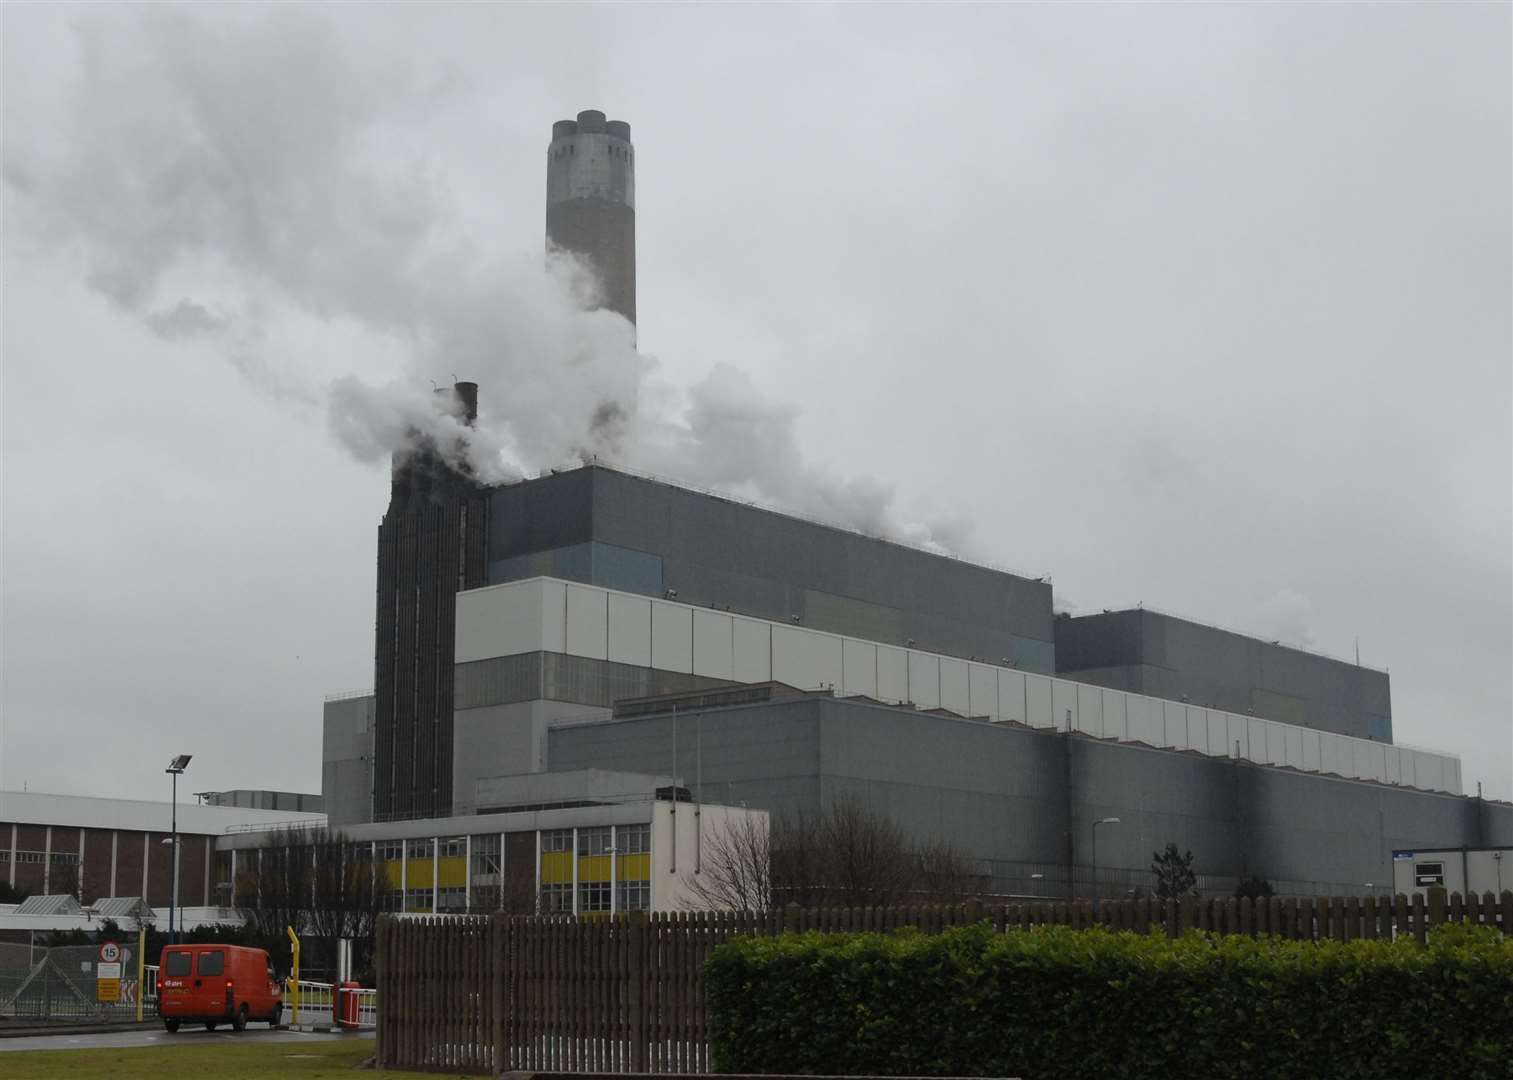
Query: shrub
x,y
1060,1003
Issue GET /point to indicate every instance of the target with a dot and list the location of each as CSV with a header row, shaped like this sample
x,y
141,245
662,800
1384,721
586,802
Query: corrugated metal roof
x,y
123,907
57,904
84,811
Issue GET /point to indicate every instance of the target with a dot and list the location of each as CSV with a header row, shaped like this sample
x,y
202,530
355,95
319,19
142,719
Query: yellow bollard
x,y
294,979
141,970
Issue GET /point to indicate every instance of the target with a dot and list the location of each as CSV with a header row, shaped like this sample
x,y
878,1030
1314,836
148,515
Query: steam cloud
x,y
233,180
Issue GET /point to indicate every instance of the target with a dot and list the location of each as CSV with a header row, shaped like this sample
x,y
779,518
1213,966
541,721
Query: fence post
x,y
1437,901
498,953
635,937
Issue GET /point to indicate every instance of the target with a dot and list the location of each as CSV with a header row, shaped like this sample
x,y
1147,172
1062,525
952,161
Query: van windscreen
x,y
177,964
213,963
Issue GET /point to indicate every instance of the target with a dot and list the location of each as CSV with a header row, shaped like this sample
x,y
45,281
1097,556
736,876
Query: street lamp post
x,y
175,767
1096,896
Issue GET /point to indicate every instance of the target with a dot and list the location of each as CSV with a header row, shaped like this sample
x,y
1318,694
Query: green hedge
x,y
1056,1003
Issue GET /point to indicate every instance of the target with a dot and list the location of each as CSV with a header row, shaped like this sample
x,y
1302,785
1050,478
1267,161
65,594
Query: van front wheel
x,y
239,1021
171,1024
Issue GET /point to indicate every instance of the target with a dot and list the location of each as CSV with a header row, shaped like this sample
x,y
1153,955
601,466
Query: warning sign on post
x,y
108,973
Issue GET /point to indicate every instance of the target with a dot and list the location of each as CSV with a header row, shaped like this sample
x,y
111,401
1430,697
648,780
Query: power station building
x,y
592,623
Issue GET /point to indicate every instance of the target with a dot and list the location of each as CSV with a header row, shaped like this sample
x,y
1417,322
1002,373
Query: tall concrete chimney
x,y
591,202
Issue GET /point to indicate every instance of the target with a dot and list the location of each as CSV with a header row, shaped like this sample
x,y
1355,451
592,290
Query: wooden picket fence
x,y
479,993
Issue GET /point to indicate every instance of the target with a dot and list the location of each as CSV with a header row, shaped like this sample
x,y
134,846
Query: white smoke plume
x,y
224,176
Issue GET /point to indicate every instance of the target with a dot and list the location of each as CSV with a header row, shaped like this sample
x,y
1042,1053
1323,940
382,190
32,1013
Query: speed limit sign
x,y
110,953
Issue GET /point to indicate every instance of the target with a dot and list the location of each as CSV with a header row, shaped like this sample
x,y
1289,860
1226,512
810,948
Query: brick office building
x,y
94,848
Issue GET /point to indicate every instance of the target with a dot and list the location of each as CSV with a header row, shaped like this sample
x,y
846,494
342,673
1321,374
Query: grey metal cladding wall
x,y
347,728
762,563
1160,797
999,791
1312,828
552,512
1109,640
1177,659
767,757
995,791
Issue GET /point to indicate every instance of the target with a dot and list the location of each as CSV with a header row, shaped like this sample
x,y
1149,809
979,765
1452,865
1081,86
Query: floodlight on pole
x,y
175,768
1096,897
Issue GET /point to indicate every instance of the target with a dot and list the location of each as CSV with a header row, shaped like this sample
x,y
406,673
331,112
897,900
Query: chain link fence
x,y
42,985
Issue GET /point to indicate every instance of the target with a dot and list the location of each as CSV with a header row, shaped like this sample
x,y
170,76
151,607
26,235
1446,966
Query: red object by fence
x,y
346,1004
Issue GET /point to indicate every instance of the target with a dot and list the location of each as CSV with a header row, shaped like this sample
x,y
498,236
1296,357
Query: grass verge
x,y
221,1059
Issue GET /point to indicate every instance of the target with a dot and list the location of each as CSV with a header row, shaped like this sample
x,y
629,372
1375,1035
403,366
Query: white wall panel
x,y
1011,695
804,658
752,660
1407,764
1115,716
553,615
630,629
1218,732
1292,746
1429,769
1394,765
1334,754
892,673
924,679
1276,749
859,658
1452,778
1090,709
1037,691
671,637
504,620
587,622
1147,723
1255,740
1311,752
713,644
982,689
827,649
1239,732
1370,762
1197,729
1174,731
793,662
1064,704
954,694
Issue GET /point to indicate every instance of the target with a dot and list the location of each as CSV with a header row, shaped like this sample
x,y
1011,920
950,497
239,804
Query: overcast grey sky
x,y
1201,307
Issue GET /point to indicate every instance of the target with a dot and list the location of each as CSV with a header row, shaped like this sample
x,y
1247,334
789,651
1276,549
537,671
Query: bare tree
x,y
867,860
346,895
737,867
277,891
943,875
319,883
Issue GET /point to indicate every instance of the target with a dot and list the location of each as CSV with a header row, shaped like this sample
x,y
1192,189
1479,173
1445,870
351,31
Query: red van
x,y
217,984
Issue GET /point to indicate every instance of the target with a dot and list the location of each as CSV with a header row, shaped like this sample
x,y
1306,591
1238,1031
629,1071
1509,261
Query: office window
x,y
556,840
633,896
556,898
633,839
593,896
594,841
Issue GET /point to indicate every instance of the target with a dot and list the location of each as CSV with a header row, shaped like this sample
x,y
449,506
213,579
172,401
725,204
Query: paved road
x,y
159,1037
